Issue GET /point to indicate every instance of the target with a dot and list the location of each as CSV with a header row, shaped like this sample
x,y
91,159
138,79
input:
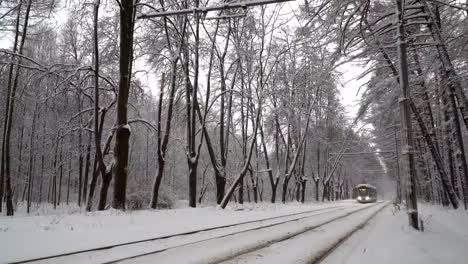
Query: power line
x,y
206,9
360,153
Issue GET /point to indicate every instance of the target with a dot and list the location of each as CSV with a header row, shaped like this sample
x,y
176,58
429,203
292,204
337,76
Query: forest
x,y
137,104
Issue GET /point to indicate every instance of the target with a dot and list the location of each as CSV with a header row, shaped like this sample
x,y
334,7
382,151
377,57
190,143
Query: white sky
x,y
349,87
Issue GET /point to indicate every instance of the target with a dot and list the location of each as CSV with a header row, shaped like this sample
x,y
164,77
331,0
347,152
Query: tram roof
x,y
365,185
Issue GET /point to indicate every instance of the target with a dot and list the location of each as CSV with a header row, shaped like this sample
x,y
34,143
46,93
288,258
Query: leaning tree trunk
x,y
453,80
436,156
244,169
447,139
459,149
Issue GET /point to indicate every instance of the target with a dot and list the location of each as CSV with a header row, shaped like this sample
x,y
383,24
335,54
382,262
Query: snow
x,y
389,239
225,248
59,233
312,245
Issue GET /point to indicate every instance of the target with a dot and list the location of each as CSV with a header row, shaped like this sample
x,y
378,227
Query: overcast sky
x,y
350,93
349,83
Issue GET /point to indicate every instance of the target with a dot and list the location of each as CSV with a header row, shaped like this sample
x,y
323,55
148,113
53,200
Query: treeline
x,y
435,35
245,107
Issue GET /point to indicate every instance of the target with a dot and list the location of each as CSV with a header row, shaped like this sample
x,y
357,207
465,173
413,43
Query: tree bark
x,y
42,163
458,144
436,156
163,142
453,80
5,121
11,92
296,156
123,130
273,181
31,155
239,178
86,169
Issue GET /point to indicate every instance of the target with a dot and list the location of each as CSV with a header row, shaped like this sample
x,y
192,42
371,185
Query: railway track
x,y
254,235
193,236
337,243
312,246
233,247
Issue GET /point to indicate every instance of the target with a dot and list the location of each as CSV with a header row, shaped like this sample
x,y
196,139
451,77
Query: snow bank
x,y
389,239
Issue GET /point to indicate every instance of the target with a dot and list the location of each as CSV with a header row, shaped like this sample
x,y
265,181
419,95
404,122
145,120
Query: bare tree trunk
x,y
80,167
52,176
458,144
70,157
303,189
57,201
31,154
453,80
160,154
163,141
273,181
86,171
92,185
298,189
42,163
106,179
11,92
191,109
127,18
239,178
20,163
5,121
296,156
447,139
436,156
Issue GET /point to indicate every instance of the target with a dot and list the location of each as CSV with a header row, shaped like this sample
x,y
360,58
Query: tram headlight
x,y
359,198
367,198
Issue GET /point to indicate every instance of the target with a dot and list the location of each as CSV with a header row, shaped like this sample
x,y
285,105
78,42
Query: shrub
x,y
140,200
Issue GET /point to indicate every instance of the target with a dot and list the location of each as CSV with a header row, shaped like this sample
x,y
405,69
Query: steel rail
x,y
335,246
173,235
289,236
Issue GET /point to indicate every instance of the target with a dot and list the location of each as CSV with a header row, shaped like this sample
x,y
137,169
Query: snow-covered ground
x,y
254,246
24,237
388,239
385,239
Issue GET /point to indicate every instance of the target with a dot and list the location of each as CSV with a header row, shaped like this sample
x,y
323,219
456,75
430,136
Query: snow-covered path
x,y
388,239
30,237
311,246
232,247
25,238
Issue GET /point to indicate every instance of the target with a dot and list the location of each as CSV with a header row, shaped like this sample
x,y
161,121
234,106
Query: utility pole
x,y
398,177
407,150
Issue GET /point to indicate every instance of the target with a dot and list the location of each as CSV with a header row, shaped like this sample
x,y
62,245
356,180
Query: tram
x,y
365,193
